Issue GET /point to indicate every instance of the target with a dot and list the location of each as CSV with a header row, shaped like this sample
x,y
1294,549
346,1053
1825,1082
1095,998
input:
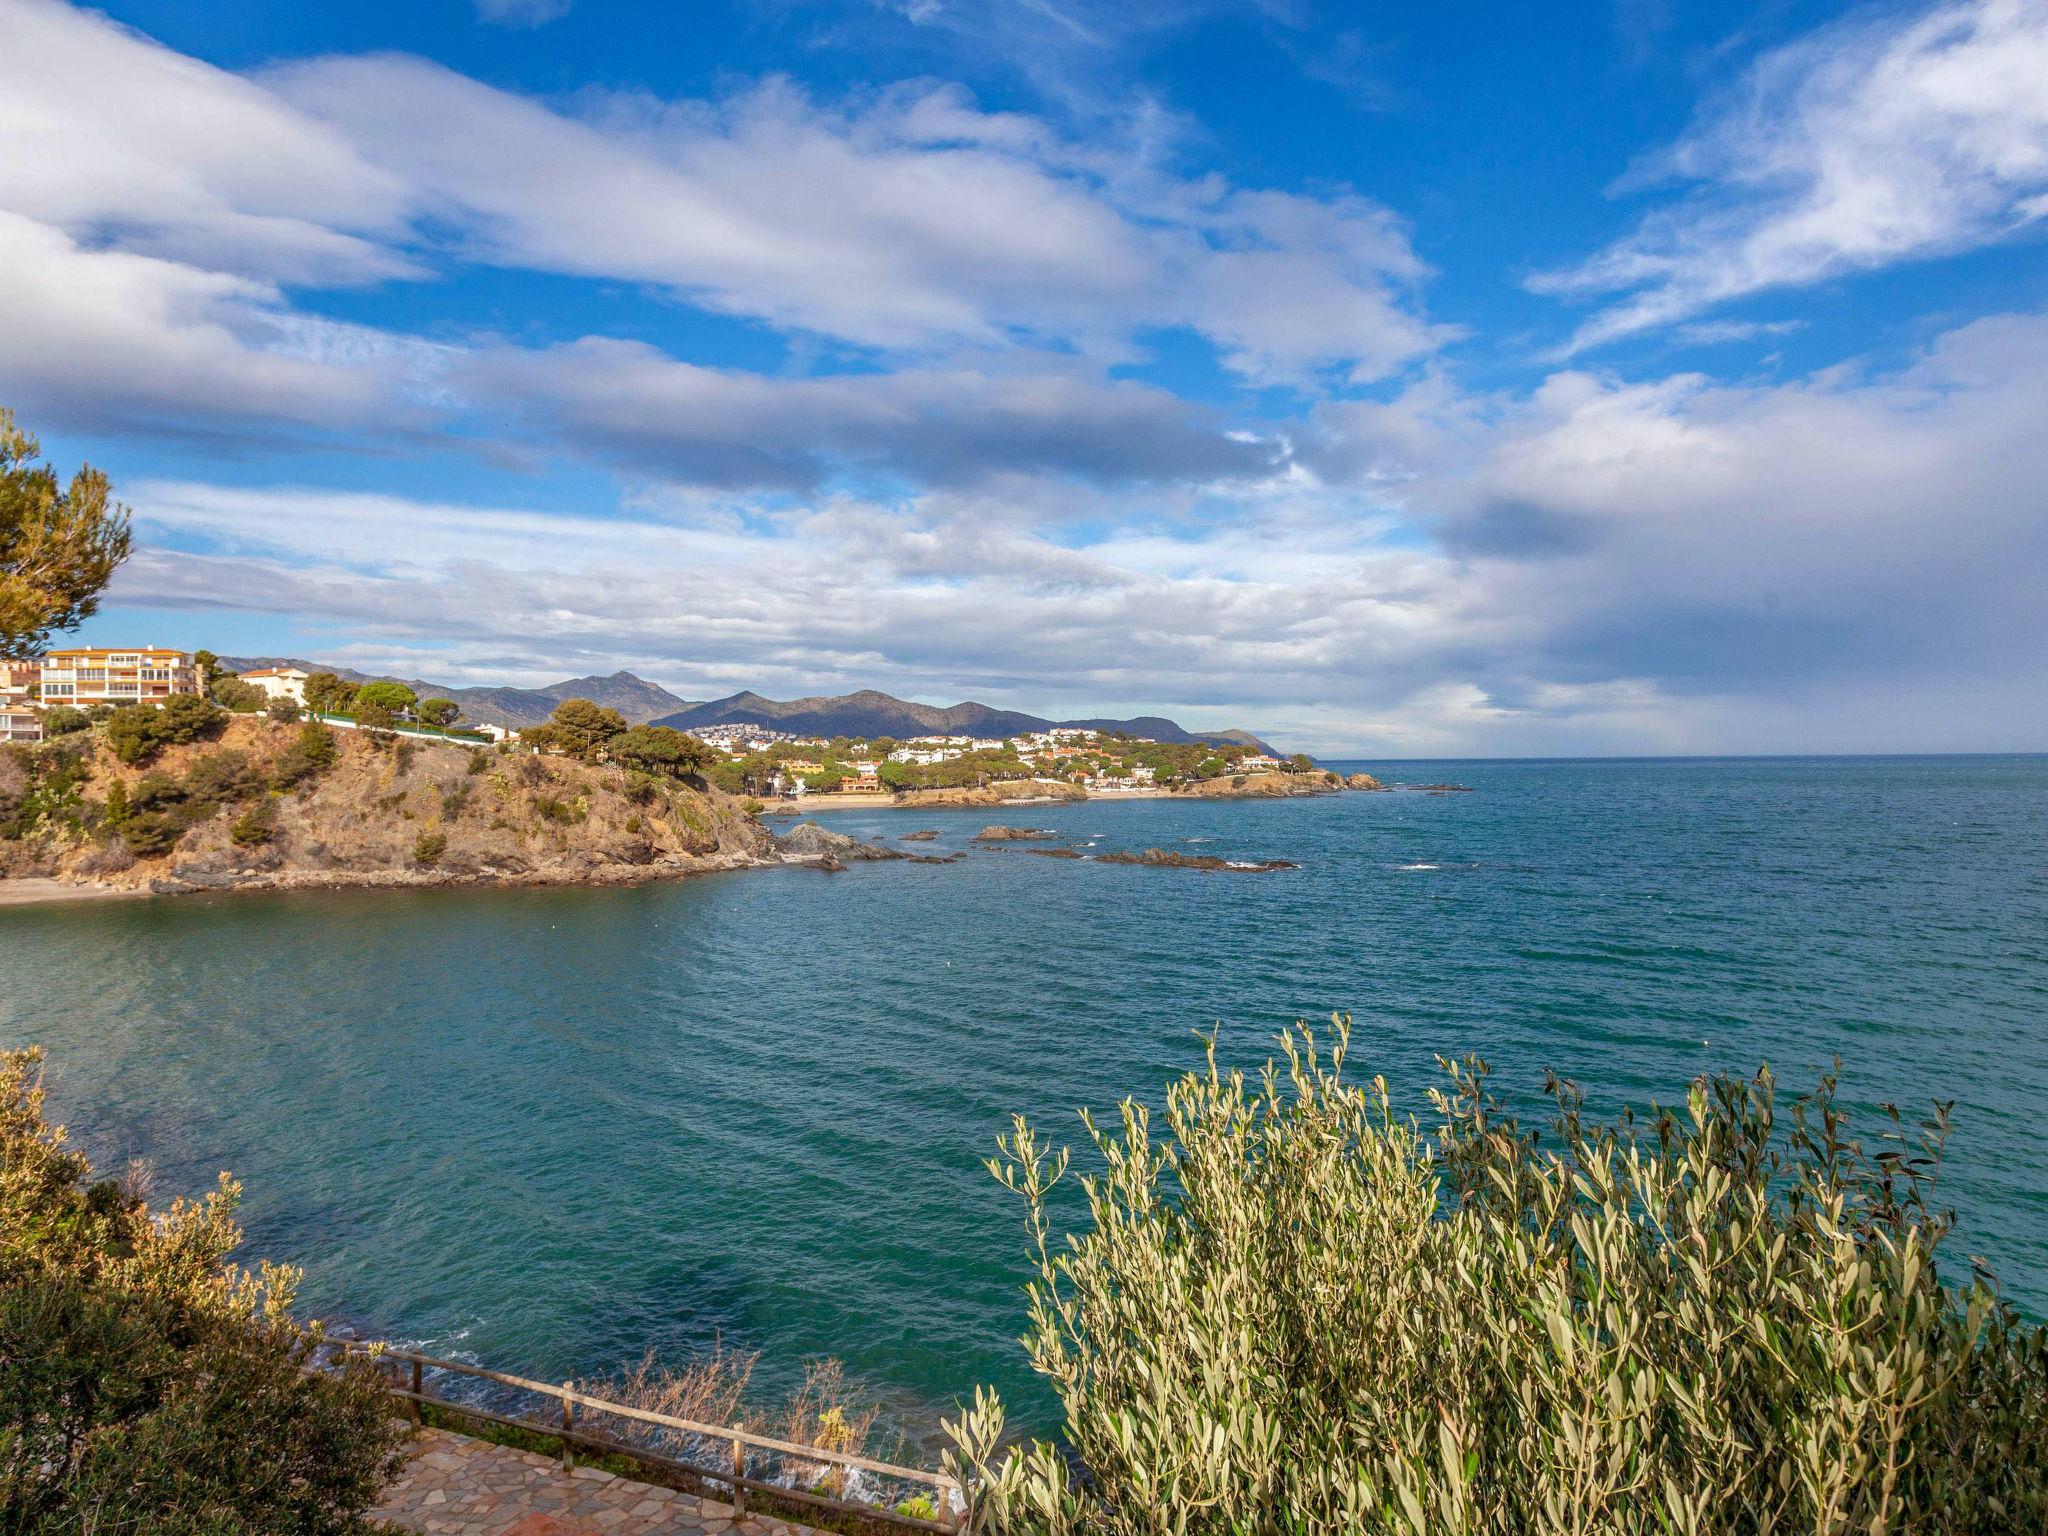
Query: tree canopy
x,y
59,546
659,749
395,697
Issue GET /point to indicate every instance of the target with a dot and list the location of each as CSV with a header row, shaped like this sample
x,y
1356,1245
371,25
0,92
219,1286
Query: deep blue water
x,y
556,1128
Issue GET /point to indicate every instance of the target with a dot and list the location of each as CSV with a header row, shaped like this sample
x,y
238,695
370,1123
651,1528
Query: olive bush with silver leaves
x,y
1295,1311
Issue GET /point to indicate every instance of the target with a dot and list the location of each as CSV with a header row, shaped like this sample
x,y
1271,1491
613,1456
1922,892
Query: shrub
x,y
145,1383
284,711
1295,1312
565,813
156,791
477,761
184,718
131,733
312,753
149,834
428,847
255,826
62,720
136,732
221,778
49,792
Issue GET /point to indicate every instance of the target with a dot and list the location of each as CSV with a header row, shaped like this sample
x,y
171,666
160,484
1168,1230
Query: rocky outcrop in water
x,y
1262,786
1014,834
1163,858
809,843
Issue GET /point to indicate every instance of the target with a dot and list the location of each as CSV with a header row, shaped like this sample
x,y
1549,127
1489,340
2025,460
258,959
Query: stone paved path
x,y
457,1486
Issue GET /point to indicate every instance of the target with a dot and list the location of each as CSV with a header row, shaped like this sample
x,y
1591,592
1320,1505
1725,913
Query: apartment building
x,y
147,675
20,723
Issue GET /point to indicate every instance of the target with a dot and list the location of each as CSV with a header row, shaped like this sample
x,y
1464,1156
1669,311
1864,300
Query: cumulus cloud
x,y
1866,144
911,221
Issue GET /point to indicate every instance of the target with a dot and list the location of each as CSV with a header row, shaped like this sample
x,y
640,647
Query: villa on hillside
x,y
145,675
18,722
278,683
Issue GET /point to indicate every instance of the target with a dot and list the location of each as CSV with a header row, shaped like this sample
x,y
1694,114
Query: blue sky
x,y
1634,377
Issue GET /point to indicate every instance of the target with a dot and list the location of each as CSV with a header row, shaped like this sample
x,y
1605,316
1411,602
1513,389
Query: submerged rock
x,y
925,836
1014,834
1163,858
1054,853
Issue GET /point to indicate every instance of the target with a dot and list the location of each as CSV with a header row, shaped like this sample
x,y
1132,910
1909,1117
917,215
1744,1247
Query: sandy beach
x,y
36,892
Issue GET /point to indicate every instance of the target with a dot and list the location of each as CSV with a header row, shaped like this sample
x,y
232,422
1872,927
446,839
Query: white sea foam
x,y
1418,866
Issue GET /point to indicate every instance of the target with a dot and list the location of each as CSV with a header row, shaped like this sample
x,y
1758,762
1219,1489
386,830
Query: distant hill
x,y
634,697
866,713
869,713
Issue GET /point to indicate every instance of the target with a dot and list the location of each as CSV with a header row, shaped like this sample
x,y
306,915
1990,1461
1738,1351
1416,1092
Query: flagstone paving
x,y
457,1486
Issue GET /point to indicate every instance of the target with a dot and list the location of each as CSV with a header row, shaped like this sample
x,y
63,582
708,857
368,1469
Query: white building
x,y
278,683
20,723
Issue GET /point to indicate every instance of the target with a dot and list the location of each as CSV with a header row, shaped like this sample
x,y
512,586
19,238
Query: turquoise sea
x,y
554,1129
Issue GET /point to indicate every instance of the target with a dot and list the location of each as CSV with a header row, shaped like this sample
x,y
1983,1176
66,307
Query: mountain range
x,y
866,713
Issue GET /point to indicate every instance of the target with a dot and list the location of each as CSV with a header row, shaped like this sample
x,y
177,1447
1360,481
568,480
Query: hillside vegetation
x,y
194,799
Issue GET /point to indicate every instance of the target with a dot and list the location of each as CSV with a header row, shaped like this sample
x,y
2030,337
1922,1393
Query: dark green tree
x,y
395,697
437,711
231,692
661,750
59,546
328,694
582,728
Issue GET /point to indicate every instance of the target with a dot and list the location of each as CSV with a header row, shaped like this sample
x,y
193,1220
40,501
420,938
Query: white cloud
x,y
522,13
112,138
1863,145
912,221
111,339
1661,565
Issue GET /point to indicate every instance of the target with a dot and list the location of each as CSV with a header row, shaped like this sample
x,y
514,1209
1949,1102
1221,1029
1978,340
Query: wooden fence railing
x,y
573,1432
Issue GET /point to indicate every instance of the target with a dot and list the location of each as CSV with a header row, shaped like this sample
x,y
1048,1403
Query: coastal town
x,y
69,689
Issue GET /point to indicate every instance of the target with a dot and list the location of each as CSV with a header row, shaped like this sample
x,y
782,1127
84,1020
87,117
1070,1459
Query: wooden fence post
x,y
568,1424
417,1392
739,1470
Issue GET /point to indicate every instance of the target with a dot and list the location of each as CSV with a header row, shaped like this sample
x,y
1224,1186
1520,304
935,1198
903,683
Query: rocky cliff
x,y
268,805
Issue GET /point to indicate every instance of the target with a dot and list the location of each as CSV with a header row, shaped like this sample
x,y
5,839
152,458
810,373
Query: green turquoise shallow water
x,y
553,1129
